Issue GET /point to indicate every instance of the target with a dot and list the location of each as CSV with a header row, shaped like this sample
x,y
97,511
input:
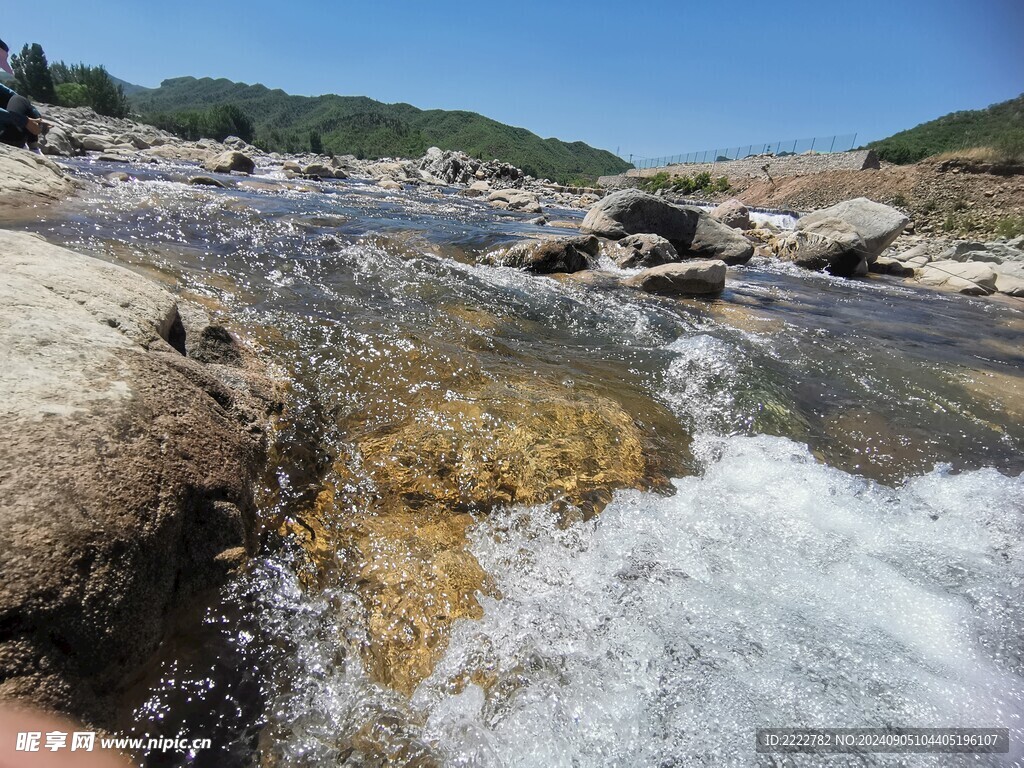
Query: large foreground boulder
x,y
690,278
126,471
545,257
692,232
878,225
29,179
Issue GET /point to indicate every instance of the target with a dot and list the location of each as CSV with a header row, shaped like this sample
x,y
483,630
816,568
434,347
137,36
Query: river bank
x,y
485,480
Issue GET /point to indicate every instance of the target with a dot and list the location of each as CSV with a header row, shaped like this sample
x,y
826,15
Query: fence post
x,y
833,145
854,143
812,144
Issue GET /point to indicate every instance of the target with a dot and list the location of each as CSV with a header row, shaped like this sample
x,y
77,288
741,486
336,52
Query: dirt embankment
x,y
948,197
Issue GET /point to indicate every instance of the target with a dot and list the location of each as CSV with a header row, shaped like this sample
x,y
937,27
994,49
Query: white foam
x,y
772,591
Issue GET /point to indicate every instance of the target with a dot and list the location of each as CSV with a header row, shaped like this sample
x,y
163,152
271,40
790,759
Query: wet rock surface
x,y
692,278
126,473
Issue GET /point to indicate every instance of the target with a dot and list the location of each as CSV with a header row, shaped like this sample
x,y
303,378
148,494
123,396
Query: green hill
x,y
1000,128
366,128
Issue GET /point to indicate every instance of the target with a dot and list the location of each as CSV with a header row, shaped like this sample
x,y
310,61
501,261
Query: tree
x,y
104,96
316,143
80,85
72,95
32,74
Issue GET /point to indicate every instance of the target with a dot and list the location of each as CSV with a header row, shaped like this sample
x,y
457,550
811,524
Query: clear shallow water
x,y
812,568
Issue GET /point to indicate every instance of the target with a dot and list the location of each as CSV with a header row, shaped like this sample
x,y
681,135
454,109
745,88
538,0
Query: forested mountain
x,y
999,127
366,128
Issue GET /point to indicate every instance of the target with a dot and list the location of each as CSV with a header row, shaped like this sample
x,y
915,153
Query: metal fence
x,y
822,144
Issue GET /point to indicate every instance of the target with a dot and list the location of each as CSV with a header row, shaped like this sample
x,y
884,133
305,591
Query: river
x,y
522,521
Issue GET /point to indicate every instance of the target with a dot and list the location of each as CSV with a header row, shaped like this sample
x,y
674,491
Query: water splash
x,y
772,591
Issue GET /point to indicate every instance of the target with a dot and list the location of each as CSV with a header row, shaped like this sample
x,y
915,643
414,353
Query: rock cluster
x,y
448,167
965,266
692,232
681,251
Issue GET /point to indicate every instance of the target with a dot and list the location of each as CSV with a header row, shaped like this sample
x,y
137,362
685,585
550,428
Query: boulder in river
x,y
206,181
692,232
828,244
715,240
318,171
126,472
634,212
226,162
878,225
733,214
642,251
688,278
515,200
544,257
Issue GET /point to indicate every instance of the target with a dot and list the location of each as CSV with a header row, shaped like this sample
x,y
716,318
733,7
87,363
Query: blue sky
x,y
649,78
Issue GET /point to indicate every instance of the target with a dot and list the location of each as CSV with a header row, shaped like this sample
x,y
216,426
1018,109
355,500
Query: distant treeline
x,y
75,85
359,126
999,128
217,122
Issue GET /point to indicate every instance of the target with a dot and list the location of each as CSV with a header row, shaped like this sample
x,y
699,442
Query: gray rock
x,y
226,162
715,240
825,244
633,212
94,143
207,181
878,225
641,251
884,265
30,179
980,255
1009,284
689,278
596,278
58,142
959,250
543,257
972,278
917,256
733,214
515,200
318,171
477,189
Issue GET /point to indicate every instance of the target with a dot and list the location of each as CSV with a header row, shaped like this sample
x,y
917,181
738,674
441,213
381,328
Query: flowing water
x,y
522,521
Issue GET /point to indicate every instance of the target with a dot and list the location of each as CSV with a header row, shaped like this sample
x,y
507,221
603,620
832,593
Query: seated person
x,y
20,122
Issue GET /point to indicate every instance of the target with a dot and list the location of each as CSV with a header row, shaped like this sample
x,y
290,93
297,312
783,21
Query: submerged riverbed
x,y
519,520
